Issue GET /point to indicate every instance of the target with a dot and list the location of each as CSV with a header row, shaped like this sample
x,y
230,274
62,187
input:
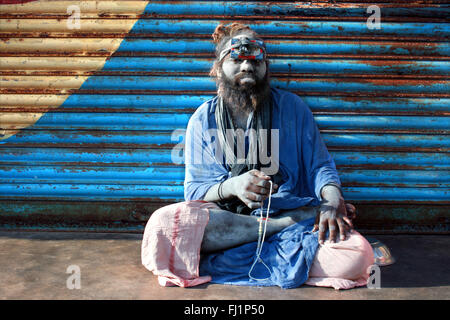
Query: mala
x,y
261,236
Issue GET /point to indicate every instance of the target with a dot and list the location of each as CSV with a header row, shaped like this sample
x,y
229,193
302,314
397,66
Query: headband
x,y
244,48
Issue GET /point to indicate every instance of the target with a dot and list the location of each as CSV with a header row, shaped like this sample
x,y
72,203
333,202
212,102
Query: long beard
x,y
243,98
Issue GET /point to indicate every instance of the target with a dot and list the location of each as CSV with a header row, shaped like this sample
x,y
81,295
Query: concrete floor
x,y
33,266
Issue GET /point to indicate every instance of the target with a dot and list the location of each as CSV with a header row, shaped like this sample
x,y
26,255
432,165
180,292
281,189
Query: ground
x,y
34,265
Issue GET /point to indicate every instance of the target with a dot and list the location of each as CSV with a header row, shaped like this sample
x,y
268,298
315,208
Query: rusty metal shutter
x,y
89,116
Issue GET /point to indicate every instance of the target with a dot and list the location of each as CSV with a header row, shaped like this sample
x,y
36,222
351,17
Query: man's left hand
x,y
332,215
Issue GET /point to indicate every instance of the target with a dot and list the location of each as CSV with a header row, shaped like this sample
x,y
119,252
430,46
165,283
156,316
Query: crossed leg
x,y
190,225
226,229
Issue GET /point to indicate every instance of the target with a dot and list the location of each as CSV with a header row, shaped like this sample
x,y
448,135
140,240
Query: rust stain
x,y
386,149
395,73
393,185
112,34
213,92
56,109
409,48
383,166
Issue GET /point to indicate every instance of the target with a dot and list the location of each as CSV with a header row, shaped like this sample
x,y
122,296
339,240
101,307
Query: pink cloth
x,y
172,240
342,265
173,235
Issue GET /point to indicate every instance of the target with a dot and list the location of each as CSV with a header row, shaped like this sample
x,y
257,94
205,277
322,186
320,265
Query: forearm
x,y
226,191
330,187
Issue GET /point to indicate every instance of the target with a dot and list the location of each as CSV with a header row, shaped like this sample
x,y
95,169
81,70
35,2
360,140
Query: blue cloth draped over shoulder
x,y
288,254
305,165
304,161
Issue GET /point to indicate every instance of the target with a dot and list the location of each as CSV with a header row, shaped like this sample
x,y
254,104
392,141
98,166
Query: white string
x,y
261,237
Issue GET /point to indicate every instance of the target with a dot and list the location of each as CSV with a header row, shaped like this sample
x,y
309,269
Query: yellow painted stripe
x,y
10,122
30,100
61,46
53,64
42,82
86,7
61,25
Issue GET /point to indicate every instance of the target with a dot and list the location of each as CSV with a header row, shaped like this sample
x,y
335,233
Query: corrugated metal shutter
x,y
88,115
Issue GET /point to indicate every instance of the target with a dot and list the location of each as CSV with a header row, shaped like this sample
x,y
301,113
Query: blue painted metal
x,y
148,103
173,191
380,97
289,9
92,192
408,50
139,157
360,66
136,139
87,174
134,102
297,28
174,84
169,122
174,175
192,65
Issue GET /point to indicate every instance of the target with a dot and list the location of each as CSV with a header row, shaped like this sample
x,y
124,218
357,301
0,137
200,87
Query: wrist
x,y
331,195
220,190
228,188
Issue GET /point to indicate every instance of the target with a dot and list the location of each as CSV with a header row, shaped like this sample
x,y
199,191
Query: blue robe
x,y
305,165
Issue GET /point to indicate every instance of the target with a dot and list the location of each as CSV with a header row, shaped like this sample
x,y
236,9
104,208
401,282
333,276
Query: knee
x,y
162,215
173,211
349,259
361,259
167,220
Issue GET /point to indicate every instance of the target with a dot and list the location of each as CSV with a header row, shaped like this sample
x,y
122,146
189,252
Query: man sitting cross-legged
x,y
249,139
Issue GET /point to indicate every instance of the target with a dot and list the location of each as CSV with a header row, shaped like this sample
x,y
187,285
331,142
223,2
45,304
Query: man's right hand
x,y
252,188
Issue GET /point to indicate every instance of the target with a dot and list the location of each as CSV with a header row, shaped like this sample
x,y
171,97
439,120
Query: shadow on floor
x,y
421,261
